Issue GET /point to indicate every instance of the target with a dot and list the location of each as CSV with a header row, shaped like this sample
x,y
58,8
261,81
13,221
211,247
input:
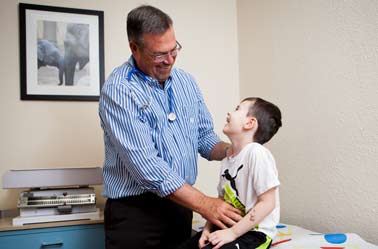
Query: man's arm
x,y
220,151
215,210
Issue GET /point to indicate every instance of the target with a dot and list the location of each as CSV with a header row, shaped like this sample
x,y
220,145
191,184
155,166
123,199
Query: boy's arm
x,y
264,206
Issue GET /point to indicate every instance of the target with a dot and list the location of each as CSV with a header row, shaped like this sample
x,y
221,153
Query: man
x,y
155,122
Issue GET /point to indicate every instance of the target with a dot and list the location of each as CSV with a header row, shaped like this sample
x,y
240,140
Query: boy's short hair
x,y
268,117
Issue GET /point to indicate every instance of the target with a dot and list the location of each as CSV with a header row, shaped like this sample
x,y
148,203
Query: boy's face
x,y
237,120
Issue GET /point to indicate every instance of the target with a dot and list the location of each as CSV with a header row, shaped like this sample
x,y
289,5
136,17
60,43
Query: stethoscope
x,y
171,115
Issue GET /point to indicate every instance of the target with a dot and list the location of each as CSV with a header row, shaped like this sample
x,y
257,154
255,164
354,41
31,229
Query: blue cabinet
x,y
90,236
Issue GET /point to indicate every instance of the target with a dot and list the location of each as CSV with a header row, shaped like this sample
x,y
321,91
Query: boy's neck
x,y
239,142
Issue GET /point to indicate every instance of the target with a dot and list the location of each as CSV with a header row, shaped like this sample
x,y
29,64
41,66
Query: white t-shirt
x,y
245,177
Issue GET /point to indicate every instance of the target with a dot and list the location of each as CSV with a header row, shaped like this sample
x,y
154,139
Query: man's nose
x,y
169,60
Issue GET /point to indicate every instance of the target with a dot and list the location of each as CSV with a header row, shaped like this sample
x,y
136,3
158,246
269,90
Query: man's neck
x,y
162,83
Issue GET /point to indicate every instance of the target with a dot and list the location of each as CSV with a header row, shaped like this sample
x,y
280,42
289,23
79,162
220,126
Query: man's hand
x,y
219,212
229,151
220,151
215,210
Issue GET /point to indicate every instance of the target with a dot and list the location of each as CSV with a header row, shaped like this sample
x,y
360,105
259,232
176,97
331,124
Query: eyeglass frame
x,y
160,57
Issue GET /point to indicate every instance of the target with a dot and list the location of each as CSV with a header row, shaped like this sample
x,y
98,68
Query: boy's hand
x,y
221,237
229,151
204,240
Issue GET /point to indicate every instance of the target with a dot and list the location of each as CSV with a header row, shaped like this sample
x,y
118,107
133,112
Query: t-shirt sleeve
x,y
219,186
264,171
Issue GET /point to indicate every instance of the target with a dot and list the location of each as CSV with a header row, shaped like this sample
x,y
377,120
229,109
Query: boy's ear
x,y
251,123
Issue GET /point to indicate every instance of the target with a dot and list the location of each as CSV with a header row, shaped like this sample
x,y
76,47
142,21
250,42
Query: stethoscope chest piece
x,y
171,116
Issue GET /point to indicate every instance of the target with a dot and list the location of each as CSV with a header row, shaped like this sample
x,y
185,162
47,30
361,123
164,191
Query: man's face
x,y
156,45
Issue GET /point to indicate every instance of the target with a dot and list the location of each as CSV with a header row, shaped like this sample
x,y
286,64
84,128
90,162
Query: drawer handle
x,y
47,244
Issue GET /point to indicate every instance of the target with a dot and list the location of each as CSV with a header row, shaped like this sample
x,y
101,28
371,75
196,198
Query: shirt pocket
x,y
154,117
191,121
144,108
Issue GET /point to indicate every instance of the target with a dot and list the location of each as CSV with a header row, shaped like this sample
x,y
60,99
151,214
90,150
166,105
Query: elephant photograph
x,y
50,55
63,53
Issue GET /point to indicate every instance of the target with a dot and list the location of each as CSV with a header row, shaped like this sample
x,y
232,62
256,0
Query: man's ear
x,y
251,123
133,47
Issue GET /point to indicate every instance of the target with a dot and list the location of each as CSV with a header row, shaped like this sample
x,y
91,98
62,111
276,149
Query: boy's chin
x,y
225,131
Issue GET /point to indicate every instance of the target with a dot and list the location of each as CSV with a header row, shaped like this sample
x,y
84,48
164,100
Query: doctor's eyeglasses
x,y
160,57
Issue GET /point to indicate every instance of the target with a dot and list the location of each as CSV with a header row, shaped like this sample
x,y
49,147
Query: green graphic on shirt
x,y
229,196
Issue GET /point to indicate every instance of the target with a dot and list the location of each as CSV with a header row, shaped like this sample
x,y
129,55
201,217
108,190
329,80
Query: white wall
x,y
318,61
46,134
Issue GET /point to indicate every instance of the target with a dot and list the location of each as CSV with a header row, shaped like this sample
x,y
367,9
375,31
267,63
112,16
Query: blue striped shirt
x,y
144,151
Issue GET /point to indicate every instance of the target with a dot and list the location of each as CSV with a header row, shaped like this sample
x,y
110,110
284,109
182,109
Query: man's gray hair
x,y
146,19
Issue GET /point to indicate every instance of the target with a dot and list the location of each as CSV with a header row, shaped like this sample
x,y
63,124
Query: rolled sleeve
x,y
207,137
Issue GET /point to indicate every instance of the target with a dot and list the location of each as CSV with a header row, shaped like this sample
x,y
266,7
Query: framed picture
x,y
61,53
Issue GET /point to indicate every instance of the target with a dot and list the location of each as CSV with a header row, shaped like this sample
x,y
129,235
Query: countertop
x,y
6,224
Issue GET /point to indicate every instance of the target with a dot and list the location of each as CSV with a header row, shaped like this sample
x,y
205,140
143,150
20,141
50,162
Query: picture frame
x,y
61,53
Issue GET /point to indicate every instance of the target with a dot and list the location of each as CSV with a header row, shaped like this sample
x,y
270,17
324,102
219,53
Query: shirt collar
x,y
134,70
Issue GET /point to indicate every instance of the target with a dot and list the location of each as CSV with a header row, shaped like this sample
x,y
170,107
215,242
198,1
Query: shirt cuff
x,y
207,143
170,185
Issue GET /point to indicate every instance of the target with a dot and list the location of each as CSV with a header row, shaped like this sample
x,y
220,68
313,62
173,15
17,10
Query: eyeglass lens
x,y
173,53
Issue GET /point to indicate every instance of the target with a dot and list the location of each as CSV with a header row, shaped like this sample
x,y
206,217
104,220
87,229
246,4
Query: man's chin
x,y
162,77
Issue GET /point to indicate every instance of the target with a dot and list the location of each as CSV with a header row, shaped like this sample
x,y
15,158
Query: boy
x,y
248,180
